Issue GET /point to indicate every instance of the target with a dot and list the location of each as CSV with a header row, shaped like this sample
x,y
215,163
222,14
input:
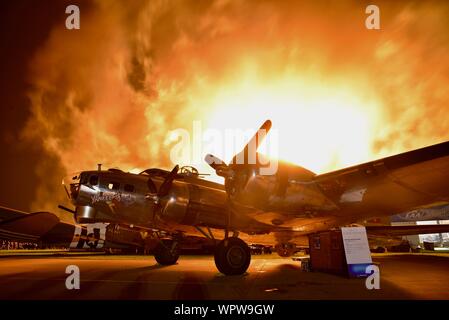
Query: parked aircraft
x,y
283,207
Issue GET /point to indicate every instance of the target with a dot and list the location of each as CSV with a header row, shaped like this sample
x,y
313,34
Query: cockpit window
x,y
84,178
113,185
93,180
128,188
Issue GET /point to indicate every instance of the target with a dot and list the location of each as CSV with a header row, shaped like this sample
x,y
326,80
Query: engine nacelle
x,y
85,214
196,205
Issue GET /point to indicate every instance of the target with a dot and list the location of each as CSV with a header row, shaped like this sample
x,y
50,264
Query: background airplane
x,y
46,230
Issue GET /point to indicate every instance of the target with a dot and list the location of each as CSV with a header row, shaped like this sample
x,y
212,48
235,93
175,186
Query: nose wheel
x,y
232,256
167,252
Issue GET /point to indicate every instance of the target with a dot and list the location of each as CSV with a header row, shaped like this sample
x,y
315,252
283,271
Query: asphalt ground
x,y
403,276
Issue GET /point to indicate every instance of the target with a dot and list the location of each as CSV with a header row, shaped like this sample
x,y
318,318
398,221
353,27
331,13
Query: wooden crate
x,y
327,253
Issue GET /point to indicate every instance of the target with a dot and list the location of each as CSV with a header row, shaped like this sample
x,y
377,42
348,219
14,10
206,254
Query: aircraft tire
x,y
232,256
165,255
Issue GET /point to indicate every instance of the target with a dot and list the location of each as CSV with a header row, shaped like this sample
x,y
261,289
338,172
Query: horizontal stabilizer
x,y
7,213
28,227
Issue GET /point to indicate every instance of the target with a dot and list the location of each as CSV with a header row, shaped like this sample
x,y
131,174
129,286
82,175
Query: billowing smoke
x,y
338,93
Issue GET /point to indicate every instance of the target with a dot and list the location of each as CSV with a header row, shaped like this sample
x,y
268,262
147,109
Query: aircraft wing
x,y
397,161
387,231
20,226
390,185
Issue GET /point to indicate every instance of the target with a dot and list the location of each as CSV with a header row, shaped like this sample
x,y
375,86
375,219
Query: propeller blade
x,y
253,144
221,168
166,185
214,161
151,186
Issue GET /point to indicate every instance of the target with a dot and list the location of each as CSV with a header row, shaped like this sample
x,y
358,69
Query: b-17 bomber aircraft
x,y
287,205
281,208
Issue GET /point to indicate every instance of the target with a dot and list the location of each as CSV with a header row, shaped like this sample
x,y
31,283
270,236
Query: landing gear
x,y
167,252
232,256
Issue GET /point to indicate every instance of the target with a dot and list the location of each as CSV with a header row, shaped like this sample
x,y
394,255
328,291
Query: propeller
x,y
221,168
156,195
166,185
241,159
238,163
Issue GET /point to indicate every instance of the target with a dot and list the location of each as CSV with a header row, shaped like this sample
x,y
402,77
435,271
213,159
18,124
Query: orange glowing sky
x,y
337,93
